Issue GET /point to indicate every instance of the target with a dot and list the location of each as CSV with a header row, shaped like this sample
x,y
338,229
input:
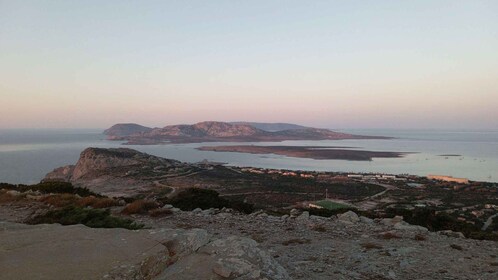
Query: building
x,y
448,179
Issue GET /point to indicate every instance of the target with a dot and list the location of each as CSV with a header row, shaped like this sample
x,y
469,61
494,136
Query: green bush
x,y
327,212
50,187
192,198
94,218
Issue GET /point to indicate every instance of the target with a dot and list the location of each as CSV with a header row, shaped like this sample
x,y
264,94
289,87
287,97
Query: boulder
x,y
294,212
229,258
450,233
407,227
304,216
366,220
348,217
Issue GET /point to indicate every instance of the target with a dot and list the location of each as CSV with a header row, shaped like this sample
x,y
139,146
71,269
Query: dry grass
x,y
371,245
389,235
296,241
60,200
319,228
420,237
63,200
6,197
258,237
156,213
140,207
97,202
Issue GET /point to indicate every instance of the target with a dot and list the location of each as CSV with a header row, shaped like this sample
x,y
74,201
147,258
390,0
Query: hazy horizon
x,y
331,64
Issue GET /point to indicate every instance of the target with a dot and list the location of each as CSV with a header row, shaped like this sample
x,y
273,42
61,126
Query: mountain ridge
x,y
214,131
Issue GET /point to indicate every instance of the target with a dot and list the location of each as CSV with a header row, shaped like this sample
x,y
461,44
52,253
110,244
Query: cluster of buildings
x,y
277,172
375,177
448,179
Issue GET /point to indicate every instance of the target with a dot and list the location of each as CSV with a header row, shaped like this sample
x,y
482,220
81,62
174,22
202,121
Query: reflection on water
x,y
27,155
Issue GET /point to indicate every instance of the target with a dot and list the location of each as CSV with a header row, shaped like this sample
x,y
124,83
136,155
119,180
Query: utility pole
x,y
326,193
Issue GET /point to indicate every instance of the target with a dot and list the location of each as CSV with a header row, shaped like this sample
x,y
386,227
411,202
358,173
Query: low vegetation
x,y
95,218
193,198
328,212
436,221
50,187
140,206
330,205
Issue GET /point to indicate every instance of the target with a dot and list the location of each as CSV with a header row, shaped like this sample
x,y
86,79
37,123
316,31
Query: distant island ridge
x,y
213,131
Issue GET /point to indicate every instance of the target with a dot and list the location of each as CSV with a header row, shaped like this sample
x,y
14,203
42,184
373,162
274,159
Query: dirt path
x,y
489,221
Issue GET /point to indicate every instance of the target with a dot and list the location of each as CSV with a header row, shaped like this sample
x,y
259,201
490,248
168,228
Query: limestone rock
x,y
366,220
450,233
304,216
348,217
406,226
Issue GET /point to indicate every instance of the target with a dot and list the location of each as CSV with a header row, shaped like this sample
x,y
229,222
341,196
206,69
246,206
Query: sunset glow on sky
x,y
335,64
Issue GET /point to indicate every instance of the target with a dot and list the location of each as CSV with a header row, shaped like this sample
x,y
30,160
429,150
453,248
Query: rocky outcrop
x,y
227,258
348,217
79,252
112,172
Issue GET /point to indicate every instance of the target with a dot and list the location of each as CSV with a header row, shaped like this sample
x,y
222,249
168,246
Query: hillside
x,y
211,131
272,126
120,130
240,223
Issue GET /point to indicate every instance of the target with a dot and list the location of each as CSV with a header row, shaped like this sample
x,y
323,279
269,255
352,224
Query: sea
x,y
27,155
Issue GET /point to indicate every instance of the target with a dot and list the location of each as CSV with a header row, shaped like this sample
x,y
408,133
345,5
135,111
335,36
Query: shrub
x,y
241,206
327,212
140,206
370,245
420,237
296,241
95,218
6,197
50,187
319,228
160,212
192,198
60,200
97,202
389,235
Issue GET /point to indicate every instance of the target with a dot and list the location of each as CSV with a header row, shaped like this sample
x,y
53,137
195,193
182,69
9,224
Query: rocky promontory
x,y
113,172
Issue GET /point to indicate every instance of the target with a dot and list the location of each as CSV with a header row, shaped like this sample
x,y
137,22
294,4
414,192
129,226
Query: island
x,y
313,152
212,131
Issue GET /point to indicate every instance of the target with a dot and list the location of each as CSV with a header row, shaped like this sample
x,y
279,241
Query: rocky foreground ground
x,y
222,244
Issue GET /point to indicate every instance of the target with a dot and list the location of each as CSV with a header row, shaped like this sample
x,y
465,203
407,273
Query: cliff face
x,y
113,172
93,160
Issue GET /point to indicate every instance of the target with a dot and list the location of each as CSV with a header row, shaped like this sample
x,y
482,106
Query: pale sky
x,y
336,64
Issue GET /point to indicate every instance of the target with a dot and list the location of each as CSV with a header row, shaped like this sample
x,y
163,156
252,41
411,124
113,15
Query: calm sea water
x,y
27,155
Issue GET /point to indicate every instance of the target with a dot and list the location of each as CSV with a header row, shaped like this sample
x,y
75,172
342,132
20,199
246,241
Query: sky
x,y
336,64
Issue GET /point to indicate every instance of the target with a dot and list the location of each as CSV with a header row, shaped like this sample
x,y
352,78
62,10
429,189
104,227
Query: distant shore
x,y
313,152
